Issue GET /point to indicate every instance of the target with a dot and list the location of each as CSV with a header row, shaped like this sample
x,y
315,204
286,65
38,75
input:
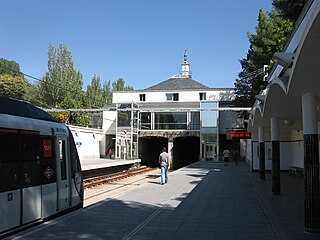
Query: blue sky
x,y
142,41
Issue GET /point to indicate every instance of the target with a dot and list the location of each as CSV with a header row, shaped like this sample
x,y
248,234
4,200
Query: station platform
x,y
89,164
205,200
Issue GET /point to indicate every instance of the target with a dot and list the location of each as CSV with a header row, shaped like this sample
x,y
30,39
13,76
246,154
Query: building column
x,y
262,167
275,142
311,163
170,152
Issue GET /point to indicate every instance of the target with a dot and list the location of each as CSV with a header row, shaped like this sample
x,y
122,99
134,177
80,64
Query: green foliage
x,y
69,102
61,79
94,95
119,85
289,9
106,92
98,96
79,119
60,87
9,67
272,32
12,87
73,118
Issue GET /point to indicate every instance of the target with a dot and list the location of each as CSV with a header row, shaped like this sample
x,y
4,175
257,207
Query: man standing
x,y
226,154
164,161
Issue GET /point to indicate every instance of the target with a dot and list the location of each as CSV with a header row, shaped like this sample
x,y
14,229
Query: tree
x,y
32,95
106,92
290,9
12,82
94,94
61,79
119,85
9,67
98,97
271,34
12,87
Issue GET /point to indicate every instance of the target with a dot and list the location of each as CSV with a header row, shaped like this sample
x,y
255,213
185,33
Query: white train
x,y
40,171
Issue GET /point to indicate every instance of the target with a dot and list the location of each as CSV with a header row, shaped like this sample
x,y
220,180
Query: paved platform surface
x,y
205,200
88,164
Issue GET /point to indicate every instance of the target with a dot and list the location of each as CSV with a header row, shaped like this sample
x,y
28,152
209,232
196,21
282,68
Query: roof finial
x,y
185,55
185,68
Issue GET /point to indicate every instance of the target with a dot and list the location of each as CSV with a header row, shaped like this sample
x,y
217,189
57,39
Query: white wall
x,y
255,156
184,96
109,117
89,142
297,153
290,154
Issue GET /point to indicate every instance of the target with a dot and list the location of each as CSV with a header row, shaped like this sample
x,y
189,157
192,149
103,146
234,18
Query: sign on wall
x,y
240,135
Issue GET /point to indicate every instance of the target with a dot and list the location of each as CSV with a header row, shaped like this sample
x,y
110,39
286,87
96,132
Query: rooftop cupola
x,y
185,68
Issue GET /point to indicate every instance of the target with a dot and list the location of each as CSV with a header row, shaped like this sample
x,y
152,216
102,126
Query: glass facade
x,y
209,117
170,120
145,120
130,120
195,121
124,116
209,131
127,131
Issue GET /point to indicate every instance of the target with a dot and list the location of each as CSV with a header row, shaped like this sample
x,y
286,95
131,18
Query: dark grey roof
x,y
178,84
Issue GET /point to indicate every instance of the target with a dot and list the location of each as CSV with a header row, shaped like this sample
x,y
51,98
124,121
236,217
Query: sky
x,y
141,41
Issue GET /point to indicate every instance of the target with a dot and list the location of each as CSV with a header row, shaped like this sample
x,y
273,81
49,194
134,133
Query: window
x,y
25,158
9,160
209,116
124,118
142,97
167,120
172,96
195,121
145,121
203,96
63,160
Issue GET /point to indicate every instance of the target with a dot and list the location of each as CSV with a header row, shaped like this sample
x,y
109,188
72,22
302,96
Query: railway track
x,y
109,178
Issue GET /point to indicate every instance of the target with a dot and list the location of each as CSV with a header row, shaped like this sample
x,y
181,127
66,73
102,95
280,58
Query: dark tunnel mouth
x,y
185,150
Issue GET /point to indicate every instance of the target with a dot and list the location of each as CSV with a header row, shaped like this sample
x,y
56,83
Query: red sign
x,y
244,135
47,148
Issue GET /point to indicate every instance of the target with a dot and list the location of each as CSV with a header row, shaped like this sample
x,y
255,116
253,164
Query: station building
x,y
188,118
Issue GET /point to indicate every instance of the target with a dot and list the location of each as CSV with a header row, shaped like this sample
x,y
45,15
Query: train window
x,y
9,161
63,163
24,162
76,167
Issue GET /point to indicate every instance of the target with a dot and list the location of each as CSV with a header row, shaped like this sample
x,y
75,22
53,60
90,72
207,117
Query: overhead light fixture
x,y
283,59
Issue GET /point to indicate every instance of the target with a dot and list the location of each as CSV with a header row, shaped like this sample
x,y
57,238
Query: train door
x,y
30,150
63,173
9,180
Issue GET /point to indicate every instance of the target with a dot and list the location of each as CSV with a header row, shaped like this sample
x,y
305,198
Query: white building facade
x,y
179,114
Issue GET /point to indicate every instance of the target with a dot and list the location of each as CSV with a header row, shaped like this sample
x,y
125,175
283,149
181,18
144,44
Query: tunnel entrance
x,y
150,148
186,150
